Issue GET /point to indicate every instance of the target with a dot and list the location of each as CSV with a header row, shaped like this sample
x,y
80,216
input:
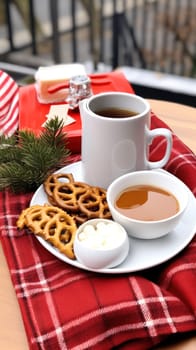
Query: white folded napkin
x,y
60,111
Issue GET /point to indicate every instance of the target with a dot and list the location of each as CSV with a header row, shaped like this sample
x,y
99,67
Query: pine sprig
x,y
8,148
26,159
23,180
53,133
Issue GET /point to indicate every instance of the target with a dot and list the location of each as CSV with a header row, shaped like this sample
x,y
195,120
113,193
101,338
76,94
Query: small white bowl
x,y
97,249
157,178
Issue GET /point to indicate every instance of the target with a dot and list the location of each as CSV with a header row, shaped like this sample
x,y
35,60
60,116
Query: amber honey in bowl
x,y
147,203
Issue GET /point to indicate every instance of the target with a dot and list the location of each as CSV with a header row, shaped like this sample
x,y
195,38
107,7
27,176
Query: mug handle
x,y
167,134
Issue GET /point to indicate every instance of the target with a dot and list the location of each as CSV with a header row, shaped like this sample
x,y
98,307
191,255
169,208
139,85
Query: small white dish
x,y
101,243
143,254
148,229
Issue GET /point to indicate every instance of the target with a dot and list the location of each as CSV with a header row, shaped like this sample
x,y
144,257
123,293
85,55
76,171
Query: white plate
x,y
143,254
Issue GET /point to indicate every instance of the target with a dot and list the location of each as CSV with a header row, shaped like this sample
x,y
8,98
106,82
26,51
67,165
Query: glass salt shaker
x,y
79,89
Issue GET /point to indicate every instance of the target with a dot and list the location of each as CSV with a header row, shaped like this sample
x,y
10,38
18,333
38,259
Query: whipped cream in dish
x,y
102,235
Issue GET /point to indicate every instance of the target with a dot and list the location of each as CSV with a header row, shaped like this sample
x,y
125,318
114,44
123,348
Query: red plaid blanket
x,y
67,308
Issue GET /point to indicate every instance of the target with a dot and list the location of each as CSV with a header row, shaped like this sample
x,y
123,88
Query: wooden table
x,y
182,119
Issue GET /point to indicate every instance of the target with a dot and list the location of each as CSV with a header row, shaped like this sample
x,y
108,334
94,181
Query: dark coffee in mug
x,y
115,113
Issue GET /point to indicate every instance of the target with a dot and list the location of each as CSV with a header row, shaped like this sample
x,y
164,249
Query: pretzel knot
x,y
93,203
66,195
51,223
52,180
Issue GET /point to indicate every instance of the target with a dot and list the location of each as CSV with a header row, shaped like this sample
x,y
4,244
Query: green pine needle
x,y
26,159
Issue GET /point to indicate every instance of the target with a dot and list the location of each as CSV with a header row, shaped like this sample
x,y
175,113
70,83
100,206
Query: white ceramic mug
x,y
113,146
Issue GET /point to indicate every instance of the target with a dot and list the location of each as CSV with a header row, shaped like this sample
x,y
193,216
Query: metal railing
x,y
151,34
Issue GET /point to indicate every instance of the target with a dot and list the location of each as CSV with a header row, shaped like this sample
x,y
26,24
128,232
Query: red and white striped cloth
x,y
9,105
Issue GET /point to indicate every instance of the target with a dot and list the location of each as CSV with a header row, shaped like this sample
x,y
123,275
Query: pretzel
x,y
21,222
93,203
66,195
79,217
51,223
52,180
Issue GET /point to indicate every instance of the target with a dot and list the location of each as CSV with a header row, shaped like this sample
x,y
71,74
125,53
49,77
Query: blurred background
x,y
152,41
